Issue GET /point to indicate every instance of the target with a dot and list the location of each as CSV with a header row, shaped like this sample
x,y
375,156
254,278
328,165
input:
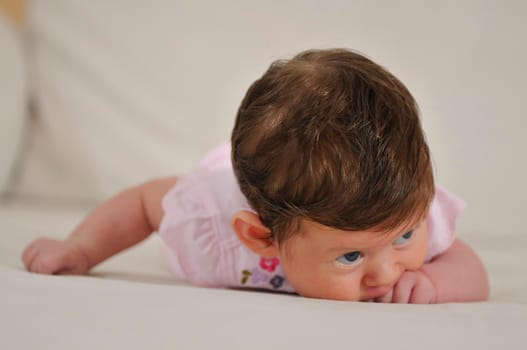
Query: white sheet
x,y
132,302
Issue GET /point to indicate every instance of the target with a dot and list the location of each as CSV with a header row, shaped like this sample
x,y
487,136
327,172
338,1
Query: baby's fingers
x,y
44,256
29,254
403,289
387,298
47,264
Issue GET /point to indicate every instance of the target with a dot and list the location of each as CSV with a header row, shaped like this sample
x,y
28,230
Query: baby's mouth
x,y
371,293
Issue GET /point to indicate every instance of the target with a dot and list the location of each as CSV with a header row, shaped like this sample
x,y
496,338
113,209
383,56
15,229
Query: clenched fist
x,y
50,256
414,287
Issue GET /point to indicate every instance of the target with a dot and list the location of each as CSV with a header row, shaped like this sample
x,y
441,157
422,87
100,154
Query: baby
x,y
326,190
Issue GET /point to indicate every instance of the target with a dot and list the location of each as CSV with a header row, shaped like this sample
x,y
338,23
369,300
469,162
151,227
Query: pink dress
x,y
203,249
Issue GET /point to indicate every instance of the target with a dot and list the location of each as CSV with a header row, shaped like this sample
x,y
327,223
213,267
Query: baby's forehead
x,y
312,230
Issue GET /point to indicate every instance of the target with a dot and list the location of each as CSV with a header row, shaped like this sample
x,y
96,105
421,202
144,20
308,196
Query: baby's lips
x,y
379,294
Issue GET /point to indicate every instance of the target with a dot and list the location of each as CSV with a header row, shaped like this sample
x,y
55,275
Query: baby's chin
x,y
368,295
331,295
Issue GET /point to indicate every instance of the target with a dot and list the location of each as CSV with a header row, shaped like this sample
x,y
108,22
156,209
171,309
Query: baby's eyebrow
x,y
350,246
413,227
354,246
342,249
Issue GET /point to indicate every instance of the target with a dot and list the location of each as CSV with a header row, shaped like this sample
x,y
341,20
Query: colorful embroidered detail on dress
x,y
245,276
277,281
269,264
260,276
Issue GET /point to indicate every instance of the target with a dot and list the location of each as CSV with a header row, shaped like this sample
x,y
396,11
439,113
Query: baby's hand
x,y
50,256
414,287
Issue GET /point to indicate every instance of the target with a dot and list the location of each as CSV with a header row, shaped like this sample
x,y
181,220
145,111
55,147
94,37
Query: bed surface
x,y
131,301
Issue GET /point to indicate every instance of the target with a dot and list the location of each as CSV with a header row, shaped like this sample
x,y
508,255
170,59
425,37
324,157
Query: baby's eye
x,y
350,258
404,238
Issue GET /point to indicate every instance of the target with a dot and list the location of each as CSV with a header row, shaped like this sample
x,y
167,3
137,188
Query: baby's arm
x,y
119,223
457,275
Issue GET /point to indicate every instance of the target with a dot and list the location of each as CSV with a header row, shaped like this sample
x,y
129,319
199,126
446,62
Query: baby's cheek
x,y
320,283
305,283
327,286
347,288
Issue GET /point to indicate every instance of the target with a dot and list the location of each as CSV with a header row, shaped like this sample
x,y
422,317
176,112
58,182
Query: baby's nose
x,y
383,273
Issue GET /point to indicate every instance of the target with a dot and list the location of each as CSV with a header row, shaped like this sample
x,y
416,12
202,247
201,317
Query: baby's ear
x,y
254,234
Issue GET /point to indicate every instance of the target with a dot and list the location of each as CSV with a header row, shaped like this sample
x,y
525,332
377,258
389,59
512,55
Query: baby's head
x,y
329,151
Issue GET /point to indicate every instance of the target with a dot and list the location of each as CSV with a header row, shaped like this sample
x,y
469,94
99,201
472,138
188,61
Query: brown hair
x,y
332,137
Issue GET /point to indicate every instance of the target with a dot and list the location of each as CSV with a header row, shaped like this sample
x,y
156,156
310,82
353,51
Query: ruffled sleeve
x,y
441,221
188,230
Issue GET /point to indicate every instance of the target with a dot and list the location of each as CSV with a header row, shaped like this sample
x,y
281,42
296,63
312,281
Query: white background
x,y
133,89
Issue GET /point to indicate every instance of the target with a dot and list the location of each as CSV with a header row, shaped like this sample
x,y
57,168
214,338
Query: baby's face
x,y
323,262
